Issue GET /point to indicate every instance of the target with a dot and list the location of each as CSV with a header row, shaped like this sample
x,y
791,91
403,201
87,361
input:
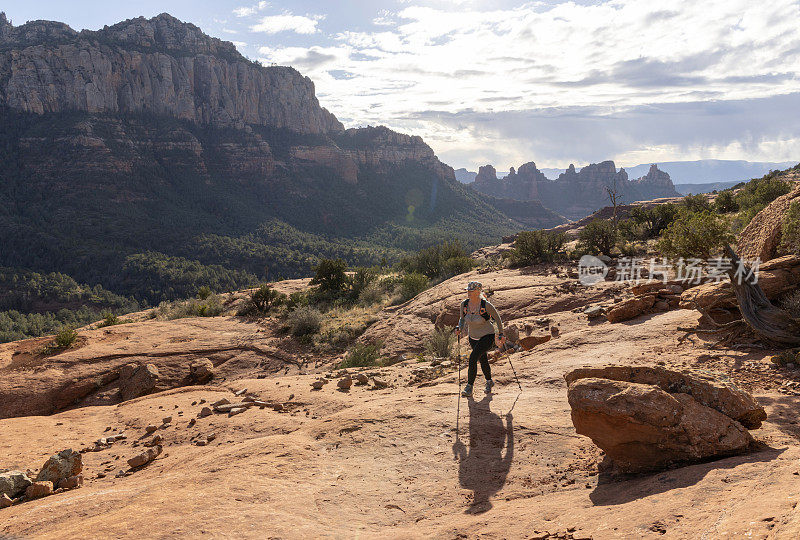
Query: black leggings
x,y
479,349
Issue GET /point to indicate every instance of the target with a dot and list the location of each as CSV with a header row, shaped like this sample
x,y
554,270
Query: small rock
x,y
192,422
446,364
236,410
206,411
345,383
121,474
379,383
661,305
14,483
72,482
167,420
555,331
361,379
158,439
150,429
248,399
277,407
317,385
211,436
291,397
223,401
200,443
39,489
145,457
240,392
201,370
592,312
137,380
5,501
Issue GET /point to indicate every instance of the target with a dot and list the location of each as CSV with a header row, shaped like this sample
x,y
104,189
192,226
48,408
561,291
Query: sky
x,y
506,82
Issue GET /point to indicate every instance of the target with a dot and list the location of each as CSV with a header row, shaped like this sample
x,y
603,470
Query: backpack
x,y
482,310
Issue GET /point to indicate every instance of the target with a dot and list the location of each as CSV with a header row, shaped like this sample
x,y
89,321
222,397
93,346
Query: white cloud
x,y
612,57
248,11
287,23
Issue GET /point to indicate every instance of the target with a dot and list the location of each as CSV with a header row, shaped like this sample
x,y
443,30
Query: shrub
x,y
790,229
411,285
791,303
261,301
652,221
330,276
440,342
65,338
455,266
362,355
204,292
362,278
109,319
694,235
304,321
439,261
194,307
696,203
758,193
534,247
296,300
726,202
371,294
598,237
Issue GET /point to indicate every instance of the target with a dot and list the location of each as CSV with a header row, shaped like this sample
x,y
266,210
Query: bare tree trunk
x,y
766,320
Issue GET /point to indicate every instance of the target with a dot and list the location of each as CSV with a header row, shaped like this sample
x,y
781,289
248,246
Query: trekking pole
x,y
458,396
515,372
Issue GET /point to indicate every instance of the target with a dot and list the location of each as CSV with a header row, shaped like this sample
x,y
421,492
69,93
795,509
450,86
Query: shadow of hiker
x,y
484,468
619,490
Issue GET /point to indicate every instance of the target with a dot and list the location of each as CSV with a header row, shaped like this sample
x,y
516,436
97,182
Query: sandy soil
x,y
413,460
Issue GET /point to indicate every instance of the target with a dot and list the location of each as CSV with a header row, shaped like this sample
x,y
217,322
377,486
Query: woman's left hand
x,y
499,340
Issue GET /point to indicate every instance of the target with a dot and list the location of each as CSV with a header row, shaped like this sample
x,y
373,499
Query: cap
x,y
472,285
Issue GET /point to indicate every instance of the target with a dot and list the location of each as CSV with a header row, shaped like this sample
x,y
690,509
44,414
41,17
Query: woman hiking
x,y
477,313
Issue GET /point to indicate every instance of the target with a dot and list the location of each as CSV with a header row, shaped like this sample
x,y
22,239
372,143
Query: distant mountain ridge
x,y
703,171
574,194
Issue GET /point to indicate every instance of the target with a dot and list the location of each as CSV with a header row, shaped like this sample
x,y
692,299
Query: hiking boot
x,y
467,391
489,385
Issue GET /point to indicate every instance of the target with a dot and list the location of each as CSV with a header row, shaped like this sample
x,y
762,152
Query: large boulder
x,y
647,418
137,380
775,277
61,466
629,309
761,237
13,483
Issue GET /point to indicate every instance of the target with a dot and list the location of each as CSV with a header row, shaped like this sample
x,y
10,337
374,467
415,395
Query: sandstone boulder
x,y
762,236
61,465
628,309
345,383
71,483
775,277
649,418
137,380
145,457
13,483
201,371
39,489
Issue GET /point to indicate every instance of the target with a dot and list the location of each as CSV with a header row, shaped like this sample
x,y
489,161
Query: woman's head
x,y
474,289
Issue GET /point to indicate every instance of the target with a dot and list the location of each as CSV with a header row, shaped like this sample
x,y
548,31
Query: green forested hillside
x,y
154,207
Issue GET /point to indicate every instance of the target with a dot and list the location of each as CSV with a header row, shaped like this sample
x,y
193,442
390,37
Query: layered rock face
x,y
648,418
161,66
575,194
